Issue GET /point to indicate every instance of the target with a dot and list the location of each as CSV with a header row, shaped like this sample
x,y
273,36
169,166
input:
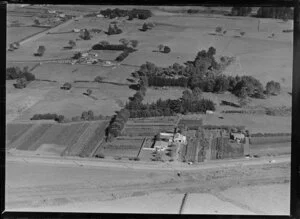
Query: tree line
x,y
23,76
134,13
205,73
283,13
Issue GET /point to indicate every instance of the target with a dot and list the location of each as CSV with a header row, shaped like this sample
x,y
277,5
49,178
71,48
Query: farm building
x,y
170,137
238,137
75,30
161,145
66,86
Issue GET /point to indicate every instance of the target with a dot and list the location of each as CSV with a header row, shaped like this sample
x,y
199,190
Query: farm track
x,y
200,180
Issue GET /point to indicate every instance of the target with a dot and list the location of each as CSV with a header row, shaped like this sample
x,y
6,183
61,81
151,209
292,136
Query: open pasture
x,y
69,73
254,123
44,97
15,34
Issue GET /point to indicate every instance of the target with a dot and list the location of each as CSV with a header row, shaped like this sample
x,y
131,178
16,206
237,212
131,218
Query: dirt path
x,y
54,184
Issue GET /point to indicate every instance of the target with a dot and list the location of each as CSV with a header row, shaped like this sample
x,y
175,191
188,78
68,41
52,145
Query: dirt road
x,y
49,184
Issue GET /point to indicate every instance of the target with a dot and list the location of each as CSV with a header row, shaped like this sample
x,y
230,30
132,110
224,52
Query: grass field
x,y
47,97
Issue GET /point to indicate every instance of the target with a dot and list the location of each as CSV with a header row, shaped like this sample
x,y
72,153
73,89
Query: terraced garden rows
x,y
95,139
13,131
76,139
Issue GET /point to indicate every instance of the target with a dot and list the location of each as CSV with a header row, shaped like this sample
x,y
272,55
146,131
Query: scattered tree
x,y
160,47
242,33
89,92
85,35
36,22
218,29
40,51
72,43
273,88
77,55
124,41
134,43
167,49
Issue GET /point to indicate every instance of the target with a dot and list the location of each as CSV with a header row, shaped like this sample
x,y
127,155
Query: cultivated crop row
x,y
14,131
94,140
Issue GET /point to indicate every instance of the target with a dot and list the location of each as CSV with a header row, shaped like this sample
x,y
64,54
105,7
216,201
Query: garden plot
x,y
74,138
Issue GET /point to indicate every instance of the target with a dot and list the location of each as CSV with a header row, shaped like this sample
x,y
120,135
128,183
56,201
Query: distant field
x,y
15,34
47,97
254,123
54,139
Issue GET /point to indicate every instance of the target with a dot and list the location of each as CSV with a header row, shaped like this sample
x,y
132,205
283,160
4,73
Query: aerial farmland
x,y
110,105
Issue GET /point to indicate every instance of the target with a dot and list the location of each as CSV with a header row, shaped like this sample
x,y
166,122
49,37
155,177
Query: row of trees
x,y
190,102
40,51
134,13
241,11
23,76
117,124
48,116
85,116
147,26
13,73
283,13
204,72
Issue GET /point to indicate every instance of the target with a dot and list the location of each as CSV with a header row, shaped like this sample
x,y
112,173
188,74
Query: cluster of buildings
x,y
165,139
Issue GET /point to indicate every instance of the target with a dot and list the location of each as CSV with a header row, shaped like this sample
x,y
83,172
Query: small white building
x,y
237,136
209,112
84,54
62,15
51,11
76,30
170,137
100,15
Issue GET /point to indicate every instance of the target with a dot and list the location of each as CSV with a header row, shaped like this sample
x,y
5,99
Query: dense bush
x,y
117,47
40,51
273,88
122,56
113,30
117,123
85,35
167,107
15,73
48,116
167,49
159,81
